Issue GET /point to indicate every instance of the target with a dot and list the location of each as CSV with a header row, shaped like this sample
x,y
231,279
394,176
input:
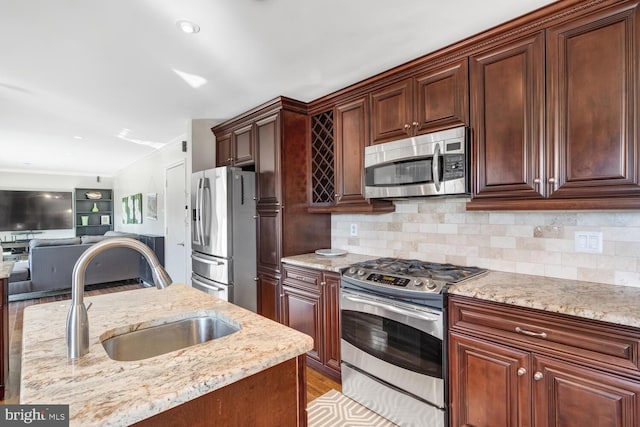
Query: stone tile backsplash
x,y
530,242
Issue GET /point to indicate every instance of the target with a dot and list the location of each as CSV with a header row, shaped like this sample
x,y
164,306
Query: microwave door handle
x,y
393,308
435,167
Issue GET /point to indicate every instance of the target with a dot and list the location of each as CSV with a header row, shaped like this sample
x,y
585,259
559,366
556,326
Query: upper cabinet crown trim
x,y
531,22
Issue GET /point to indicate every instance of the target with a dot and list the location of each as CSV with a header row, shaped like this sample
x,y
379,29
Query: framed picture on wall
x,y
152,206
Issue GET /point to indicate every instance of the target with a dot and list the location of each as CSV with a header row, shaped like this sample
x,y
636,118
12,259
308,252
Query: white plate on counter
x,y
331,252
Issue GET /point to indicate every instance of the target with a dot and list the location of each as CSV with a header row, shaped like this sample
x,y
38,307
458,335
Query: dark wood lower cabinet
x,y
4,335
574,373
310,304
269,296
273,397
485,386
568,395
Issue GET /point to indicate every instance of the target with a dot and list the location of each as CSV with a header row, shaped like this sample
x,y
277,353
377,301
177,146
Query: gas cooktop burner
x,y
410,275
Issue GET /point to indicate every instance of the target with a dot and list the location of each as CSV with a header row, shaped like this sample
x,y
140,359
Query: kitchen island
x,y
254,371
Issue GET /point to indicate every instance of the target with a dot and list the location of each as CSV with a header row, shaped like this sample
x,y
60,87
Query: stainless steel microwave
x,y
433,164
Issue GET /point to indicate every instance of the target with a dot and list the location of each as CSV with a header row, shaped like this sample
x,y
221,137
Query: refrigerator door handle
x,y
241,189
201,209
198,215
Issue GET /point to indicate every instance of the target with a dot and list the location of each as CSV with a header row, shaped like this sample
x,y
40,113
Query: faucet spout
x,y
77,332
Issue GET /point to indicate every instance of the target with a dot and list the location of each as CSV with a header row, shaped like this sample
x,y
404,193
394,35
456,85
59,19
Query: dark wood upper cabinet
x,y
243,144
352,135
336,160
392,112
575,144
507,112
434,99
268,167
236,148
592,77
223,150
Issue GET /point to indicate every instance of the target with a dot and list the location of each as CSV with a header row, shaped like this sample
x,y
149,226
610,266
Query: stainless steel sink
x,y
164,338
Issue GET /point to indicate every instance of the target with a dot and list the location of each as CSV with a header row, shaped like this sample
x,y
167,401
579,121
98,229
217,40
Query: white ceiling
x,y
87,85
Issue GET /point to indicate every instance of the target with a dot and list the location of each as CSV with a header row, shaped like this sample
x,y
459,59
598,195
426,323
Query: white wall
x,y
529,242
203,144
53,182
147,176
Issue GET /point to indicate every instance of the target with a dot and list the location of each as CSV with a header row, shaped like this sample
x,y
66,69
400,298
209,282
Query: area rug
x,y
334,409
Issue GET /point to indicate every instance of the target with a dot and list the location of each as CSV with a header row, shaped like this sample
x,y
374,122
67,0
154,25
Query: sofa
x,y
51,263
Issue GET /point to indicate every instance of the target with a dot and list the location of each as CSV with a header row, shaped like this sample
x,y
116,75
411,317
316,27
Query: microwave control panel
x,y
454,166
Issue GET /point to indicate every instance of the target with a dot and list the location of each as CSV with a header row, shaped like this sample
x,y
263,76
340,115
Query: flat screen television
x,y
35,210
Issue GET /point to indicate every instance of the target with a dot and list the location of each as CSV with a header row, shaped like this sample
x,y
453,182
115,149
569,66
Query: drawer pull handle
x,y
530,333
521,372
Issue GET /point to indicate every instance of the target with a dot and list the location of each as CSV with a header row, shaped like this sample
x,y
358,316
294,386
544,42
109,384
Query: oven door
x,y
396,343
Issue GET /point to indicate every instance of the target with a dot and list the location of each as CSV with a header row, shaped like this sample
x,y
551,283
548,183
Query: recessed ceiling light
x,y
77,137
188,27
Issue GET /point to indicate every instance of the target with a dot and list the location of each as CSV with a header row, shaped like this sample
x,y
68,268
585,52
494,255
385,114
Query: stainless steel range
x,y
393,337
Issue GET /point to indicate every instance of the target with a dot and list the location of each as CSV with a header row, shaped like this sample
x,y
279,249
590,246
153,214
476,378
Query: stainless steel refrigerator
x,y
223,234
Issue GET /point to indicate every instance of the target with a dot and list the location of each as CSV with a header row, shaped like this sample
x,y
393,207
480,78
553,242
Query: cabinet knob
x,y
521,371
415,124
538,376
255,279
536,181
323,283
406,126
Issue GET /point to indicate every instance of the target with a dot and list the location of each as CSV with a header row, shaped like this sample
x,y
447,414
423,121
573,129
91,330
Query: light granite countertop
x,y
5,269
101,391
331,263
597,301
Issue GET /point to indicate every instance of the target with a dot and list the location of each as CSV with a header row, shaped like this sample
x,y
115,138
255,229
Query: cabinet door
x,y
489,384
302,311
567,395
507,113
268,233
268,160
224,157
441,97
392,112
352,135
269,296
243,143
593,76
331,317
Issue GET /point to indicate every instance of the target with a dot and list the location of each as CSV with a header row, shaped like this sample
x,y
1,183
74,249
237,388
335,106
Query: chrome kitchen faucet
x,y
77,333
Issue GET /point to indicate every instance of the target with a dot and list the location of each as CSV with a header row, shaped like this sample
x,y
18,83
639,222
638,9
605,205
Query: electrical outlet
x,y
353,230
588,241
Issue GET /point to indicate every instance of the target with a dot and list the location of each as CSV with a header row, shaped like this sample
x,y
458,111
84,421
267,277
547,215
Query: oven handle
x,y
395,309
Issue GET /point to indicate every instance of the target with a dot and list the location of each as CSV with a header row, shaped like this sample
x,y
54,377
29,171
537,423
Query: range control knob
x,y
431,285
351,270
361,272
417,282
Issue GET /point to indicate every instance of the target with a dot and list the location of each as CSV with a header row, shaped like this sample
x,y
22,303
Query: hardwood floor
x,y
317,384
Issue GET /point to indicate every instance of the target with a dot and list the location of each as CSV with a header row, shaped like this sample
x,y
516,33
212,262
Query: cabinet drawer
x,y
302,277
583,340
